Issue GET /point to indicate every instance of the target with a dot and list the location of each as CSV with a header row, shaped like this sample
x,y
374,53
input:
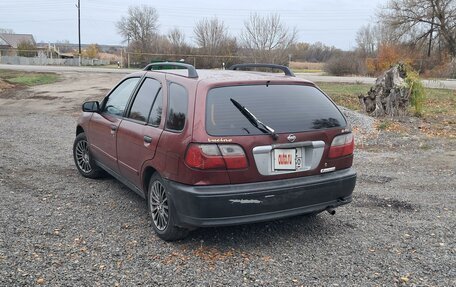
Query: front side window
x,y
144,99
177,107
118,99
284,108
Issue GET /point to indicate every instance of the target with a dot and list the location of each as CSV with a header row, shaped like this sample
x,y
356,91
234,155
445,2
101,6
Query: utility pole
x,y
430,33
79,29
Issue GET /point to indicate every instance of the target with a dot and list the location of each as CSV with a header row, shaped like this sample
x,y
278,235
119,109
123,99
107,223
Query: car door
x,y
103,126
140,131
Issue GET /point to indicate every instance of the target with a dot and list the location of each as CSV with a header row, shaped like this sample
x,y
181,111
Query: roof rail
x,y
285,69
157,66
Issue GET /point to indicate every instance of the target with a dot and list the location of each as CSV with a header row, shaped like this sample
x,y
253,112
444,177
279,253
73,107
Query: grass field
x,y
22,78
439,107
345,94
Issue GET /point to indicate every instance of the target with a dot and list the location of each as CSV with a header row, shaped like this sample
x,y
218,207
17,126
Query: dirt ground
x,y
58,228
4,86
65,96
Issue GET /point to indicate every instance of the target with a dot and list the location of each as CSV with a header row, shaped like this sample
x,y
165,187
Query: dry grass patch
x,y
306,67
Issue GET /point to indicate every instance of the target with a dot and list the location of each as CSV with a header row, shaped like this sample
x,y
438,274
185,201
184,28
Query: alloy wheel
x,y
83,156
159,205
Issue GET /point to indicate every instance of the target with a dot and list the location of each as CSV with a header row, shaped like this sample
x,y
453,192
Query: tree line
x,y
419,33
262,39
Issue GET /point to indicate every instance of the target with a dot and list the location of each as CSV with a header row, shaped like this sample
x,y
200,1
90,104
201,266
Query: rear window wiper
x,y
254,120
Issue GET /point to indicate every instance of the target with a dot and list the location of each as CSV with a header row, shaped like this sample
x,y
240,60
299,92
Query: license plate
x,y
285,159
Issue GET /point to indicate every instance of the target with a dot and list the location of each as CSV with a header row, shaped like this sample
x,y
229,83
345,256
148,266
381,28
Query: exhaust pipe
x,y
331,211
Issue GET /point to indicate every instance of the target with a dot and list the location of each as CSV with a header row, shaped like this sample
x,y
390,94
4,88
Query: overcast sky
x,y
333,22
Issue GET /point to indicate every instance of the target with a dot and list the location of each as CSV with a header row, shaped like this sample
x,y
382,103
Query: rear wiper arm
x,y
254,120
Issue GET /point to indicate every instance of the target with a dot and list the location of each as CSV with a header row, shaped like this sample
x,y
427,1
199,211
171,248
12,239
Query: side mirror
x,y
91,107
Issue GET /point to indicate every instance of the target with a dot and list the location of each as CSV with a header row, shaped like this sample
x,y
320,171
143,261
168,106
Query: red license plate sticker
x,y
285,159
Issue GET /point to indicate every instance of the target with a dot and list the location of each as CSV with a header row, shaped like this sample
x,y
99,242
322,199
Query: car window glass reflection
x,y
144,99
118,99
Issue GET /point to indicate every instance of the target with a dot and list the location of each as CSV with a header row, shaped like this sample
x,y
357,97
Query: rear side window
x,y
285,108
144,99
177,107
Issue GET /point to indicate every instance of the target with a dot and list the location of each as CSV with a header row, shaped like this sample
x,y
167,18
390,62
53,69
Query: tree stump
x,y
390,96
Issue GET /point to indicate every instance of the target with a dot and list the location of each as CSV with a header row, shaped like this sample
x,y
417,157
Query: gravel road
x,y
60,229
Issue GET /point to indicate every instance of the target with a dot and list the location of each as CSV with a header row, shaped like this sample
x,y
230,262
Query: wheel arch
x,y
148,172
79,130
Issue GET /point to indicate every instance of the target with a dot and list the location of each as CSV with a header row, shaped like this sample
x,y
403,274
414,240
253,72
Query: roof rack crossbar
x,y
285,69
157,66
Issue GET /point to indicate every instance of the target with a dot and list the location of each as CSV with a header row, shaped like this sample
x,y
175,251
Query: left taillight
x,y
342,145
215,156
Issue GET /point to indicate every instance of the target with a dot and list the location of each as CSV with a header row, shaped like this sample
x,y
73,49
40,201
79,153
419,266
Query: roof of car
x,y
220,76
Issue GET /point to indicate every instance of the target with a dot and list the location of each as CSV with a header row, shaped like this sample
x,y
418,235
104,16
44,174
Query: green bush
x,y
417,92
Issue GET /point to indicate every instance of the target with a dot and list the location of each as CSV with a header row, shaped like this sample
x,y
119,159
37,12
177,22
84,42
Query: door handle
x,y
113,128
147,139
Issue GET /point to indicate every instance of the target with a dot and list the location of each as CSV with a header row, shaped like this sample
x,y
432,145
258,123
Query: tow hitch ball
x,y
331,211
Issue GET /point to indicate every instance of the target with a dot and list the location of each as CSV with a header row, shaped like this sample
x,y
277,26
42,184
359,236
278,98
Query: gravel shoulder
x,y
58,228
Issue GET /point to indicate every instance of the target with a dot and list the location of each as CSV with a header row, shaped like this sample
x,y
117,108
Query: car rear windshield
x,y
284,108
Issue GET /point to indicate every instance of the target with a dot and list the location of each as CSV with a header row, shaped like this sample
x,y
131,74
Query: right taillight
x,y
342,145
215,156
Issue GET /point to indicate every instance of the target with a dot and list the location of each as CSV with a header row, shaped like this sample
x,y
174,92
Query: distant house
x,y
11,41
9,44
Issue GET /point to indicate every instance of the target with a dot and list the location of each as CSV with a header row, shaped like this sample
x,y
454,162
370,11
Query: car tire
x,y
83,159
162,211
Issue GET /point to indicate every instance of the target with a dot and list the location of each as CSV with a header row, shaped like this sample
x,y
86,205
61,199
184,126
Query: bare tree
x,y
6,31
211,37
210,34
267,38
423,21
162,45
367,39
139,26
176,38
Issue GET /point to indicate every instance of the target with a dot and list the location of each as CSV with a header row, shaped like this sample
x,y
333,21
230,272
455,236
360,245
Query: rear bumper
x,y
218,205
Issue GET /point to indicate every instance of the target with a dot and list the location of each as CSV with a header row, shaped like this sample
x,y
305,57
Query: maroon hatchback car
x,y
214,148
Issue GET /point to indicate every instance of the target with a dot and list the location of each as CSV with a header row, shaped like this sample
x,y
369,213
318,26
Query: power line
x,y
309,21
